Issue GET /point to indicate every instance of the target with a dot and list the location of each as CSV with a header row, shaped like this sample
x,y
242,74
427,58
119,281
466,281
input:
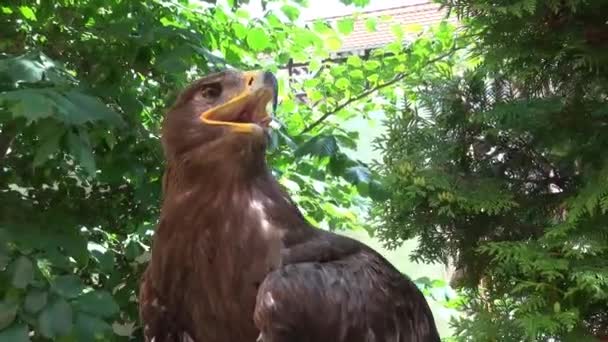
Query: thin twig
x,y
370,91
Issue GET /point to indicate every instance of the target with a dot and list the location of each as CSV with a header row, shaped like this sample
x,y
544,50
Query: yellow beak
x,y
260,87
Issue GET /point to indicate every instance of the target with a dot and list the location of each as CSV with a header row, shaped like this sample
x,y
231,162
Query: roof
x,y
424,14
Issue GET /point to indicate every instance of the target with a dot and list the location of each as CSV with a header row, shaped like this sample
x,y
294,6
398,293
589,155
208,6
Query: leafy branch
x,y
361,96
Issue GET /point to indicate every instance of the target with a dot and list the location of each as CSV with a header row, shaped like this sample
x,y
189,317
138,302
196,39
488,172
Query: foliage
x,y
497,162
83,86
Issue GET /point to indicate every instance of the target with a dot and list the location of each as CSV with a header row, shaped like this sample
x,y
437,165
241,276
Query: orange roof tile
x,y
424,14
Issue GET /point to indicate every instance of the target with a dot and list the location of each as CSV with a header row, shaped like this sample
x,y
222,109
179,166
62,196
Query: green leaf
x,y
30,104
397,31
338,163
242,13
354,60
105,260
378,192
240,31
15,333
371,24
413,28
175,60
346,25
342,83
90,328
68,286
132,250
357,174
27,13
257,39
557,307
90,109
305,38
356,74
98,303
81,149
372,65
8,312
23,272
35,300
291,12
363,189
358,3
55,320
49,144
320,146
333,43
32,67
322,27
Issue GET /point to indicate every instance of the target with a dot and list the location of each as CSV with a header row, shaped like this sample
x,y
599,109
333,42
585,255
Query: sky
x,y
329,8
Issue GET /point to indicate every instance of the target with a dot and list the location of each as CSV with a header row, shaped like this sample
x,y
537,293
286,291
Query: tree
x,y
83,86
497,162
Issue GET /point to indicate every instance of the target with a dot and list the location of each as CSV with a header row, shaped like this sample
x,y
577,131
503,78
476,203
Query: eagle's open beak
x,y
247,112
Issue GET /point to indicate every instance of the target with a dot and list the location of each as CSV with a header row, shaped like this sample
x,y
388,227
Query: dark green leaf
x,y
68,286
133,250
49,144
31,67
8,312
357,174
15,333
320,146
175,61
378,192
105,260
93,109
23,272
363,189
56,319
98,303
30,104
35,300
338,163
81,149
90,328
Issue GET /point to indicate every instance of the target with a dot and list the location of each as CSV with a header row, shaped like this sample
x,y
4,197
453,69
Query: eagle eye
x,y
211,91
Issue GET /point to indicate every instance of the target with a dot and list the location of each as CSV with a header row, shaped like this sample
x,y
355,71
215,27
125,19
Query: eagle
x,y
233,258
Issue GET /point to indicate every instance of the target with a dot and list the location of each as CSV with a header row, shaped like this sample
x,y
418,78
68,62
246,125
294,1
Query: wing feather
x,y
360,298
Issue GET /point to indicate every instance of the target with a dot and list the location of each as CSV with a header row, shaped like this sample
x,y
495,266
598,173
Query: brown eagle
x,y
233,258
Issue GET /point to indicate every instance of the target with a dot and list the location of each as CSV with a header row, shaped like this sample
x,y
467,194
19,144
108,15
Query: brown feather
x,y
227,228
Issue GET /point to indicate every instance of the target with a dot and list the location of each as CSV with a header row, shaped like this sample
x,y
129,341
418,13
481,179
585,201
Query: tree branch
x,y
9,131
370,91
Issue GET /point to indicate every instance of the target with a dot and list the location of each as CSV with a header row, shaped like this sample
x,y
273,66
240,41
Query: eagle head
x,y
220,116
